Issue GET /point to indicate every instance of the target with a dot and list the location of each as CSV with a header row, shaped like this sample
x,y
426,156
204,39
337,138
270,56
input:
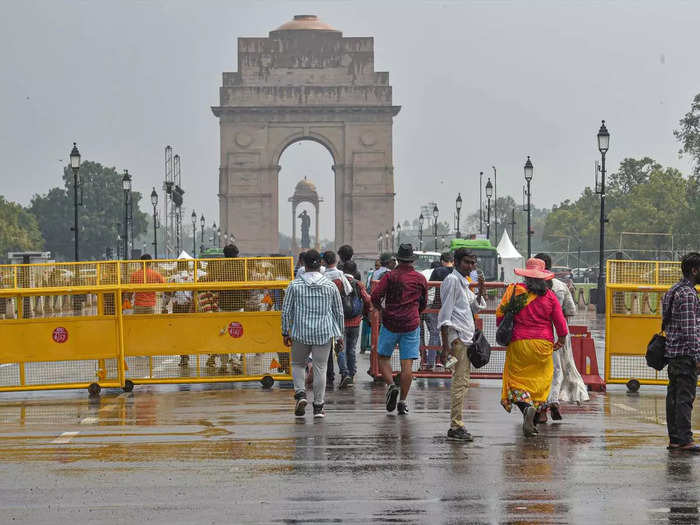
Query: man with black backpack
x,y
682,309
354,305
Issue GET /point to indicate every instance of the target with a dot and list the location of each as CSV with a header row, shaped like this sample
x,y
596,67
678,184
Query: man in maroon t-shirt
x,y
404,294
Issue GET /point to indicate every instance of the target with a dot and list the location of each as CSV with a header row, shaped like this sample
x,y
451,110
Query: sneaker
x,y
351,381
318,411
391,396
556,414
451,362
300,407
402,409
344,382
459,434
529,421
184,360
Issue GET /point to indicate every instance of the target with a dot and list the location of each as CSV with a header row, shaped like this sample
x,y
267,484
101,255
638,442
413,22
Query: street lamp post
x,y
436,212
379,243
194,234
603,145
126,186
201,238
398,233
481,203
386,240
213,236
528,169
420,231
393,233
218,236
495,205
489,194
154,202
458,205
75,166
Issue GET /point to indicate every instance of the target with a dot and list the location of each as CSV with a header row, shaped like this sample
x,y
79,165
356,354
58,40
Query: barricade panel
x,y
634,294
136,319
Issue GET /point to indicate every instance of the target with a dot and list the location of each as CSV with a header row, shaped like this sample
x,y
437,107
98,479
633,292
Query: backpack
x,y
352,302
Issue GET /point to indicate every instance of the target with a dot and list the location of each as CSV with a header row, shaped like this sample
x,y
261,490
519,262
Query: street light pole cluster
x,y
528,169
75,166
603,146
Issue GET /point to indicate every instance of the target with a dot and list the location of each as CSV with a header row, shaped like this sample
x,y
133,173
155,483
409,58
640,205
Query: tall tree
x,y
689,133
19,230
100,215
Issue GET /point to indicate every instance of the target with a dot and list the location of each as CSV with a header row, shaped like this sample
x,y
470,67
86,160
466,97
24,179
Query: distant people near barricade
x,y
223,301
331,272
355,304
567,383
458,304
527,372
438,274
401,295
366,333
387,262
182,300
682,309
312,321
345,253
145,302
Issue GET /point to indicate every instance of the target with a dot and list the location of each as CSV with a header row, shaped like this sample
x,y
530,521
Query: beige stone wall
x,y
305,85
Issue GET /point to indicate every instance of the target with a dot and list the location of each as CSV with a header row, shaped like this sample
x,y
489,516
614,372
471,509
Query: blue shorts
x,y
409,343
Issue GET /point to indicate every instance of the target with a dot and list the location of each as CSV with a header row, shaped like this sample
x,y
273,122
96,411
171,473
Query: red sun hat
x,y
534,268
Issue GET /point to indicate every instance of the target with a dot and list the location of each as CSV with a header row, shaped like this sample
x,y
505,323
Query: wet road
x,y
236,454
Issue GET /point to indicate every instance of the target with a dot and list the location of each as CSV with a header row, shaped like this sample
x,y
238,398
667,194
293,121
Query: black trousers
x,y
682,380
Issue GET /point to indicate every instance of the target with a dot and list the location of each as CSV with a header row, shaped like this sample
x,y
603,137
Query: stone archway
x,y
305,81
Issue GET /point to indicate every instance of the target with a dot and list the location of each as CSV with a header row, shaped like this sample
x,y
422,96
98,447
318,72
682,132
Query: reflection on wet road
x,y
234,454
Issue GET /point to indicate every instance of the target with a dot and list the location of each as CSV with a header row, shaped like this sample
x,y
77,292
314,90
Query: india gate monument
x,y
305,81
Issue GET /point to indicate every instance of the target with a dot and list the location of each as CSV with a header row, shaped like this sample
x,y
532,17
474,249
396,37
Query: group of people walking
x,y
315,321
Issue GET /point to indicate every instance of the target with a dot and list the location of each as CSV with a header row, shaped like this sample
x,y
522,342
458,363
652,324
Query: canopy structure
x,y
184,255
510,259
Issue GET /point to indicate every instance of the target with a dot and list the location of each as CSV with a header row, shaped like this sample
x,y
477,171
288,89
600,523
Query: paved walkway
x,y
235,454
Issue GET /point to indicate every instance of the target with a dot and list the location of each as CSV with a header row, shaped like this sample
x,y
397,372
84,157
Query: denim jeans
x,y
346,358
682,380
434,340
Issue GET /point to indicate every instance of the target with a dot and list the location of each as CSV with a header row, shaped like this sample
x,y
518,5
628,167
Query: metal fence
x,y
120,323
634,294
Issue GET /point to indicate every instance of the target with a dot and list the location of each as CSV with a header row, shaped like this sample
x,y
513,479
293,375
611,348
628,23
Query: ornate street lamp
x,y
398,233
393,232
386,240
528,169
481,203
194,234
489,194
379,243
201,238
154,203
75,166
213,235
603,146
436,212
420,231
126,186
458,206
218,235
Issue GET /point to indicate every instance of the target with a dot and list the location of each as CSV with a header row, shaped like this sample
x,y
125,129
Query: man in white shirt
x,y
456,323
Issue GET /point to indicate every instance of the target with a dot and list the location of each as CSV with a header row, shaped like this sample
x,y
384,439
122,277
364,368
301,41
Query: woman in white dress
x,y
567,383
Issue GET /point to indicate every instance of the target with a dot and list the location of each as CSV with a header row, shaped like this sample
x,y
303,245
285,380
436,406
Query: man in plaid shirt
x,y
683,354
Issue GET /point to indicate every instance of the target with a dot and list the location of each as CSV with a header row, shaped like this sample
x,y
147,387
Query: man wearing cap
x,y
312,317
400,295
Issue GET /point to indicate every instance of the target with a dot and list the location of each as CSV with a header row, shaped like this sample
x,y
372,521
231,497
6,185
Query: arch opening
x,y
309,159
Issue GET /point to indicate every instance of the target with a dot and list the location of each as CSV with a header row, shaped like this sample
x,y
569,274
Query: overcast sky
x,y
480,84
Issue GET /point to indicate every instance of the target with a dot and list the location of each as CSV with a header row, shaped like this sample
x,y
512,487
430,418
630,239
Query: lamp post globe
x,y
126,186
528,169
194,233
436,213
603,146
75,166
154,203
458,206
489,194
421,219
398,233
201,238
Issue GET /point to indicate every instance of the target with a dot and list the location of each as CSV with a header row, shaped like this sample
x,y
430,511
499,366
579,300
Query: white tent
x,y
184,255
510,259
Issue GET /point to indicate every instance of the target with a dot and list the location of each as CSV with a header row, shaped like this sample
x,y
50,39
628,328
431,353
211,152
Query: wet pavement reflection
x,y
235,454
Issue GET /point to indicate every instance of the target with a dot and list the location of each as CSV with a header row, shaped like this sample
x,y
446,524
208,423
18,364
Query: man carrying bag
x,y
456,323
682,306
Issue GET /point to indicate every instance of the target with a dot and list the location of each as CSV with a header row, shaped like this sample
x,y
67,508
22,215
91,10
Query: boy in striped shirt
x,y
312,318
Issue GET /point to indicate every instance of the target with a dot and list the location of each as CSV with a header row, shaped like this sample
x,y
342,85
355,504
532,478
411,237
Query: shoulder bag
x,y
656,349
504,332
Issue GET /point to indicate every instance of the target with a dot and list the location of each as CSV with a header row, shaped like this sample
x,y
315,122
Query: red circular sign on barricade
x,y
60,335
235,330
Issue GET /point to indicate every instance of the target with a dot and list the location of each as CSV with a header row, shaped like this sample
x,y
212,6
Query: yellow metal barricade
x,y
120,323
634,294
